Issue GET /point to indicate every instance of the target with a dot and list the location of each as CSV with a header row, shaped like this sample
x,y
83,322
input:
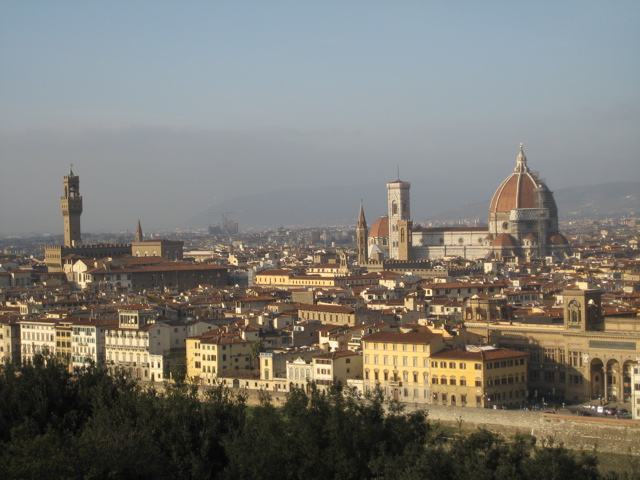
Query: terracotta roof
x,y
410,337
453,229
504,240
479,355
326,308
338,354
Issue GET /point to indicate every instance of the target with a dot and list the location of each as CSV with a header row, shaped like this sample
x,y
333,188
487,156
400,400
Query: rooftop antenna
x,y
398,167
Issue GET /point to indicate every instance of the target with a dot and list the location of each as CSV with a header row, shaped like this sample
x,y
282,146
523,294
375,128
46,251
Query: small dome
x,y
531,236
558,239
380,228
489,237
504,240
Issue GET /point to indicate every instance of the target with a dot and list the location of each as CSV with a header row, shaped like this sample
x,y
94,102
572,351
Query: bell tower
x,y
362,236
71,207
583,309
399,209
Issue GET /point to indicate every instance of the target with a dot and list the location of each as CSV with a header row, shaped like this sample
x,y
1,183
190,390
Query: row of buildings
x,y
513,315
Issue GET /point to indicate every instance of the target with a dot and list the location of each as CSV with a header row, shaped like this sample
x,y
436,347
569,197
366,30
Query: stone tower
x,y
404,239
399,209
71,206
583,309
139,234
362,236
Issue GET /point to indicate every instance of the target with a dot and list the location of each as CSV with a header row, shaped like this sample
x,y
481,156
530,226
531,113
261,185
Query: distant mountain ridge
x,y
308,207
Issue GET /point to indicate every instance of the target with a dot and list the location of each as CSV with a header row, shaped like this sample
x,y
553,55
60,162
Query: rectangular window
x,y
478,366
575,359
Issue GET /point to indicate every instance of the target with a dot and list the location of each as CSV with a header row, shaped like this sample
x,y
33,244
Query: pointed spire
x,y
71,170
362,222
521,162
139,235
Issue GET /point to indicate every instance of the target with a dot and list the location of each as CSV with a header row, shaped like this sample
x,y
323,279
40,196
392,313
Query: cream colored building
x,y
584,358
338,366
37,336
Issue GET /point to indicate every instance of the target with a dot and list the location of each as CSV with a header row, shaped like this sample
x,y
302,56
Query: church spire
x,y
139,235
362,238
362,222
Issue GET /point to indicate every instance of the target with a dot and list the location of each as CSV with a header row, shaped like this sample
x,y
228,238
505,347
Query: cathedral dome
x,y
518,190
380,228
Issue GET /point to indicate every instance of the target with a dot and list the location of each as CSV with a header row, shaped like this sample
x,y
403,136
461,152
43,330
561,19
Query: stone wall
x,y
574,432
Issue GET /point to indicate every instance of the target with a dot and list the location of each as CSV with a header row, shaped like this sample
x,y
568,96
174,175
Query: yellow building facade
x,y
210,357
479,377
420,367
399,363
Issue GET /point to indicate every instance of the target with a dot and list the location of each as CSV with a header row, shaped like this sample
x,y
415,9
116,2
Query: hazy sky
x,y
168,107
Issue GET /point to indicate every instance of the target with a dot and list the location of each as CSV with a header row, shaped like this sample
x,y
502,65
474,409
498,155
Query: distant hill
x,y
603,200
302,207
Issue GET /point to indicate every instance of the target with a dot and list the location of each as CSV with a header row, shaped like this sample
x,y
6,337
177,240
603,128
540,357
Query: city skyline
x,y
167,109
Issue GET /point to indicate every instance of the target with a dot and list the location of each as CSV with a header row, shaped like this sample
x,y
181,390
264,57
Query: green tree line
x,y
96,425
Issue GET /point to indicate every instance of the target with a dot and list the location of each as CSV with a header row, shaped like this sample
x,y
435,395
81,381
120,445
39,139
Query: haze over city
x,y
168,109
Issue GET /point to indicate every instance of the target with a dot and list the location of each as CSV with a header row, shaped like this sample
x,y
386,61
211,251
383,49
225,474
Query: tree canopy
x,y
92,424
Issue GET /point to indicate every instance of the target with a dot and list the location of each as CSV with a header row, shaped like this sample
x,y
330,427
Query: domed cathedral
x,y
523,225
523,217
